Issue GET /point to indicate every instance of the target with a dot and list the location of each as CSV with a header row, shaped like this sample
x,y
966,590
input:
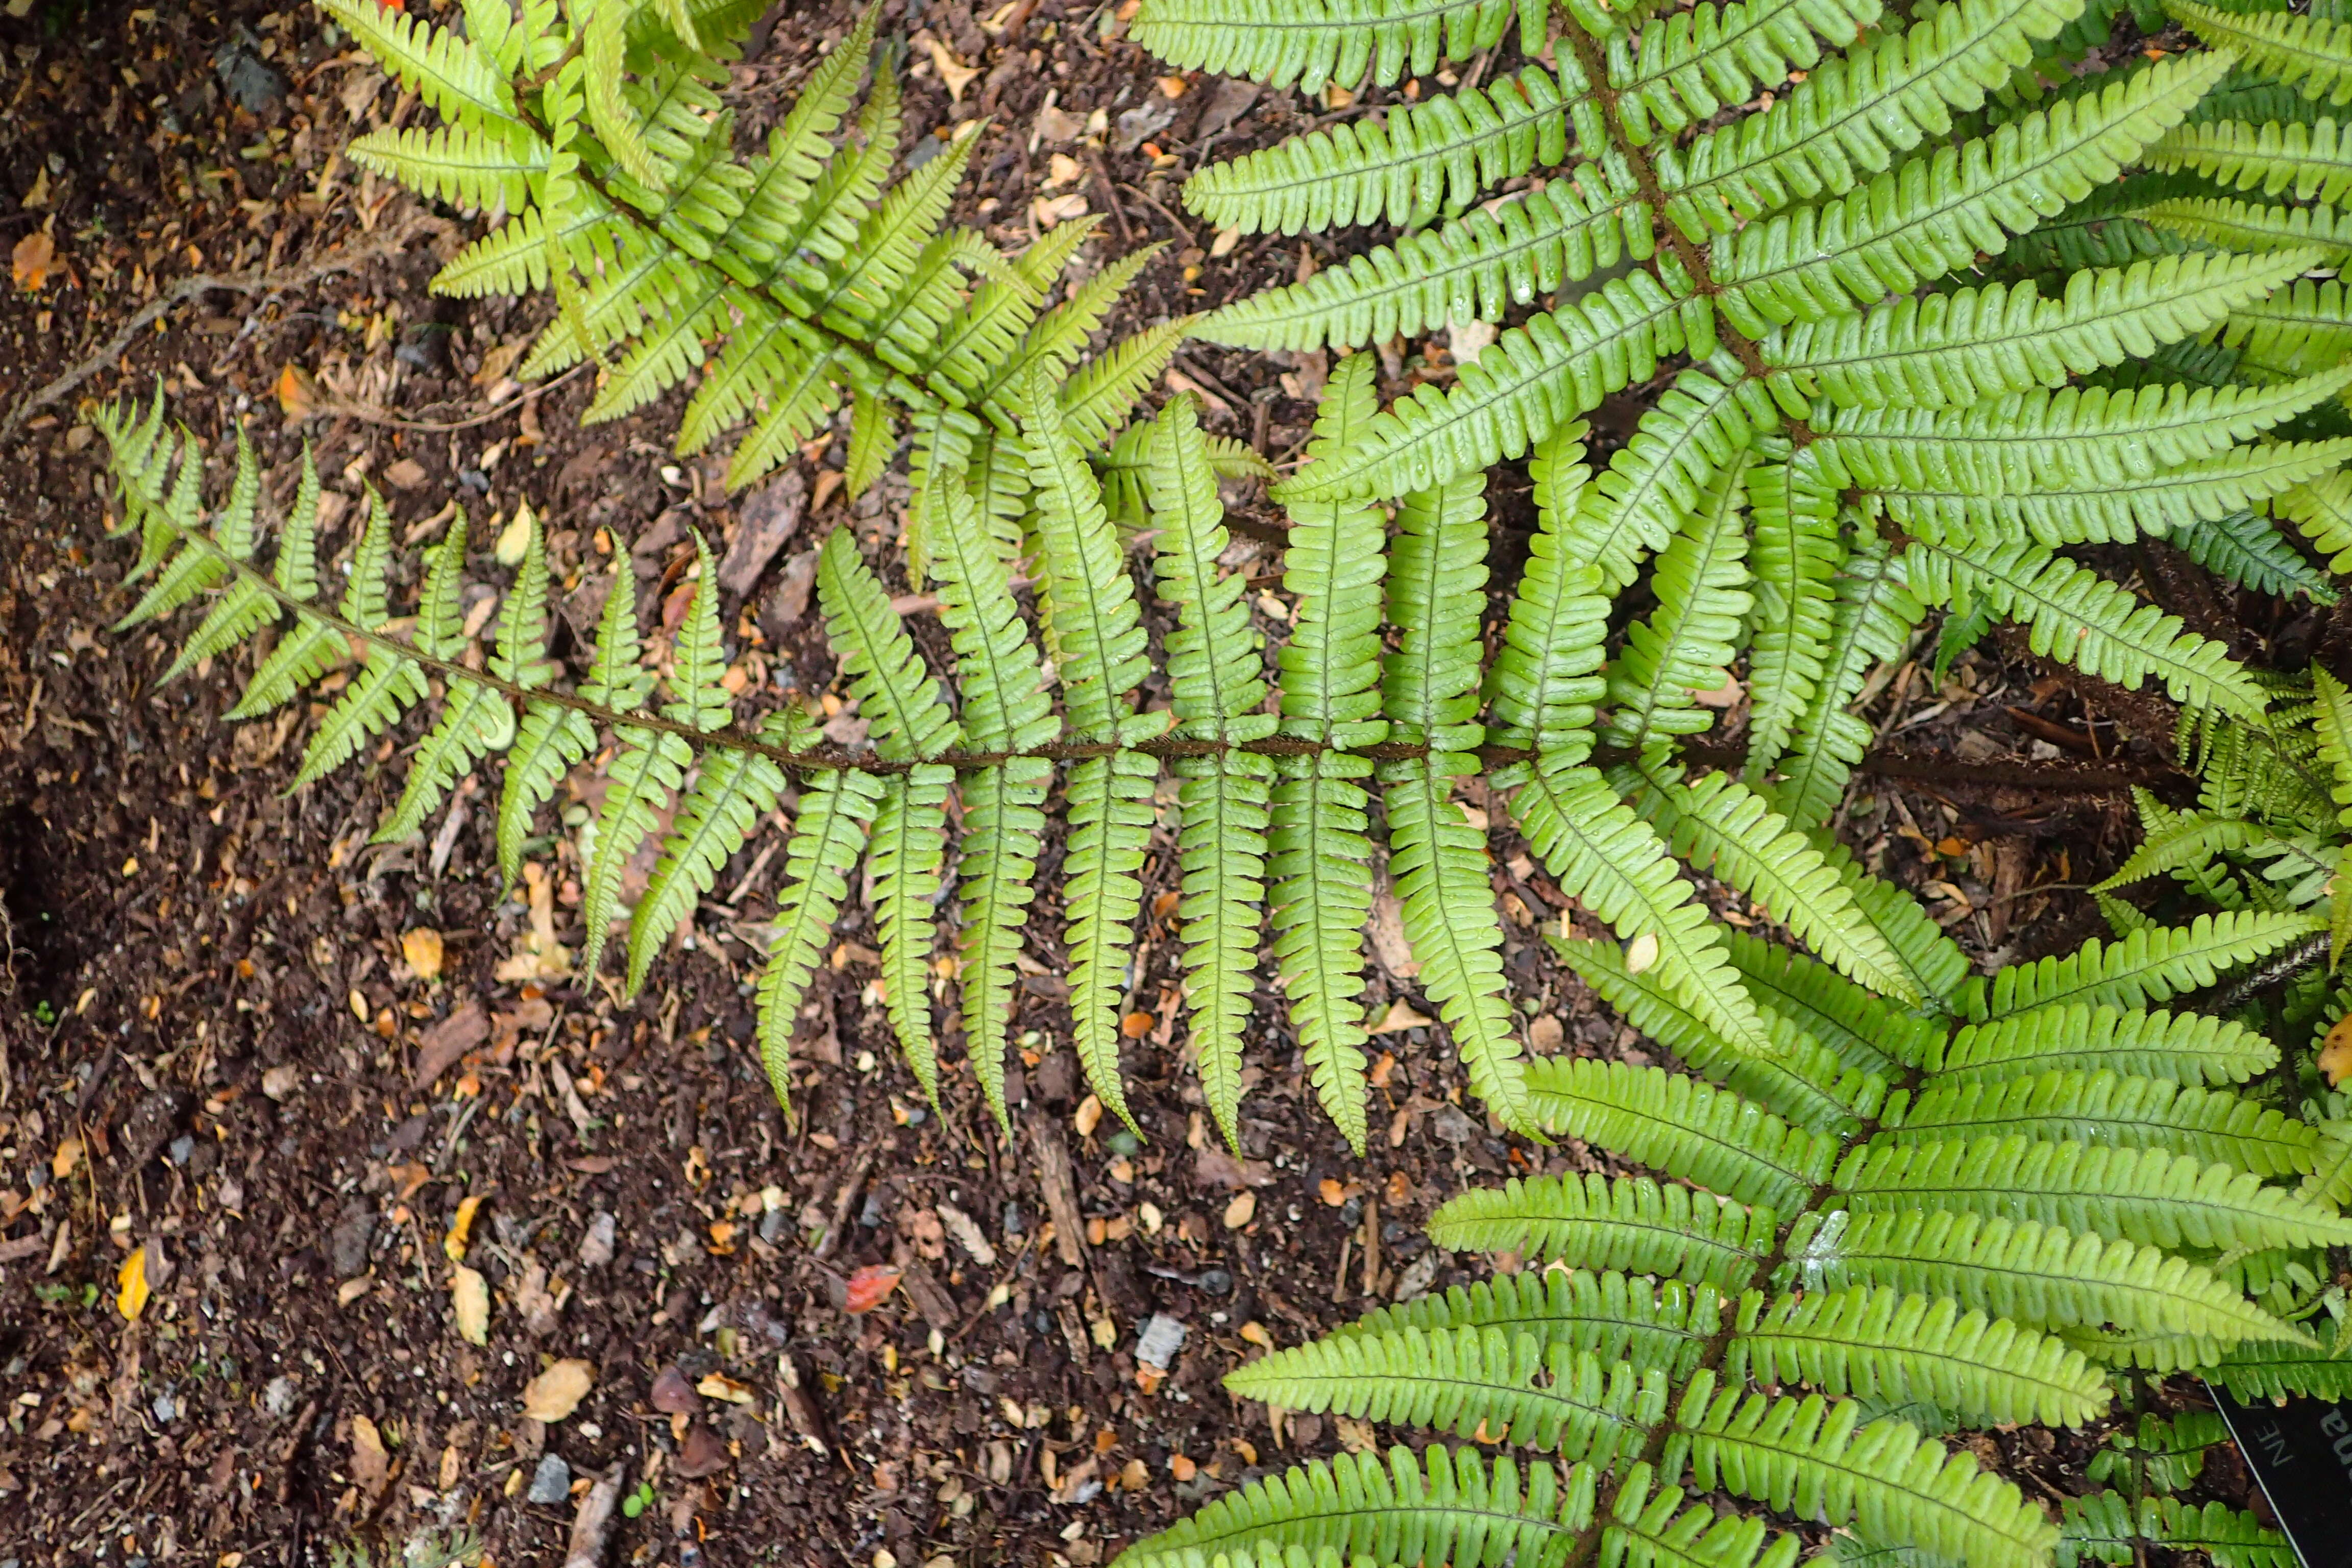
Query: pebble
x,y
596,1246
1161,1338
279,1397
163,1409
552,1483
773,1223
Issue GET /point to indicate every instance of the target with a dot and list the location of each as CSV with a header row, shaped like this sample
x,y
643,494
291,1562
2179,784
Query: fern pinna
x,y
781,283
1915,340
1892,1227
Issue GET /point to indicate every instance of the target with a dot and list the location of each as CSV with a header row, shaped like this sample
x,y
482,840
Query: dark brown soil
x,y
210,1031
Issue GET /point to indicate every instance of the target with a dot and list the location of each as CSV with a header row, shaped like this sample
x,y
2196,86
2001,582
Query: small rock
x,y
774,1224
184,1149
596,1246
279,1081
1162,1339
163,1409
552,1483
704,1453
231,1192
348,1242
279,1397
1420,1274
673,1396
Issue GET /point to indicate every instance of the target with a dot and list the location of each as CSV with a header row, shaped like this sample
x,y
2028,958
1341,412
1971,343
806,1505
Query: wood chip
x,y
1060,1190
470,1303
445,1042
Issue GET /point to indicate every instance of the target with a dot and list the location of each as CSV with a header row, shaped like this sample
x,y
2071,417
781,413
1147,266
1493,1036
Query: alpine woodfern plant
x,y
1918,361
780,282
1894,1228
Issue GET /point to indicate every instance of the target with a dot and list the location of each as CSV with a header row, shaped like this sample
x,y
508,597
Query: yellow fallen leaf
x,y
557,1392
1088,1117
1241,1210
718,1385
32,261
421,948
469,1297
954,75
514,539
461,1227
130,1285
66,1159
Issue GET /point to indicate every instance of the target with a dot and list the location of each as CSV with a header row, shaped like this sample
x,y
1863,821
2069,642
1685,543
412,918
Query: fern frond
x,y
2307,159
2247,548
1628,1224
825,845
1807,1457
2276,1370
1614,1316
1952,350
2227,223
2036,1275
1536,377
2073,615
2140,1195
2147,966
1685,647
1881,1344
1406,167
1326,40
1690,64
1657,1531
387,683
1457,1509
2073,1036
1866,1032
1474,267
1601,853
1792,515
1720,826
1935,214
734,791
2309,53
2214,1125
1872,619
435,63
1543,682
1682,1127
1218,683
455,163
1471,1382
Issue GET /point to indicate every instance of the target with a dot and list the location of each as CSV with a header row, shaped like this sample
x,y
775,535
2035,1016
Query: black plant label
x,y
2300,1455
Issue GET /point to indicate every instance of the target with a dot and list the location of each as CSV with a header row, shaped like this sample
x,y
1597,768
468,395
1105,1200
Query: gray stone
x,y
348,1242
279,1397
552,1483
1162,1339
596,1246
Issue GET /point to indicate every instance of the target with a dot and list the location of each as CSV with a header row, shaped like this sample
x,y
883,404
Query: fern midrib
x,y
1692,255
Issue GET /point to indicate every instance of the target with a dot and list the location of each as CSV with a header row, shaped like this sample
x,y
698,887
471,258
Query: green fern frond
x,y
1614,1316
825,845
2214,1125
2309,53
1543,681
1879,1343
2074,1037
1471,1382
2227,223
2073,615
1631,1224
1794,518
1471,269
734,791
2147,966
2140,1195
1690,64
1406,168
1327,40
1952,350
2306,160
1872,619
1685,647
1867,1033
1682,1127
1443,1506
2247,548
1934,215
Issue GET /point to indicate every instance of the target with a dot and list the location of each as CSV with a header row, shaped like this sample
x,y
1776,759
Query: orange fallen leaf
x,y
299,396
1135,1025
421,948
870,1287
2335,1052
557,1392
718,1385
461,1227
34,258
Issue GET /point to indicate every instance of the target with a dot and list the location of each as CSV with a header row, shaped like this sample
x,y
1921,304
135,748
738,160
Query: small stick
x,y
592,1527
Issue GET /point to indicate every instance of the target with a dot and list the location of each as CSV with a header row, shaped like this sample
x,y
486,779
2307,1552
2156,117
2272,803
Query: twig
x,y
1174,222
370,413
186,288
1110,197
847,1195
592,1527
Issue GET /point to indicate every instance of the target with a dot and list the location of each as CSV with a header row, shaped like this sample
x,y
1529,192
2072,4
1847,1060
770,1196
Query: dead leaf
x,y
469,1297
369,1463
33,259
538,956
461,1227
1400,1016
1641,952
131,1285
954,75
278,1082
1465,341
557,1392
447,1040
1726,695
1222,245
299,397
870,1287
2335,1052
1242,1210
514,539
966,1232
421,948
1061,169
1089,1116
1389,944
66,1159
405,474
718,1385
1051,210
1053,125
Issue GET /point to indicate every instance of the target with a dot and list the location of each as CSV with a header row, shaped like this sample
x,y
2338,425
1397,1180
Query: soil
x,y
218,1055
